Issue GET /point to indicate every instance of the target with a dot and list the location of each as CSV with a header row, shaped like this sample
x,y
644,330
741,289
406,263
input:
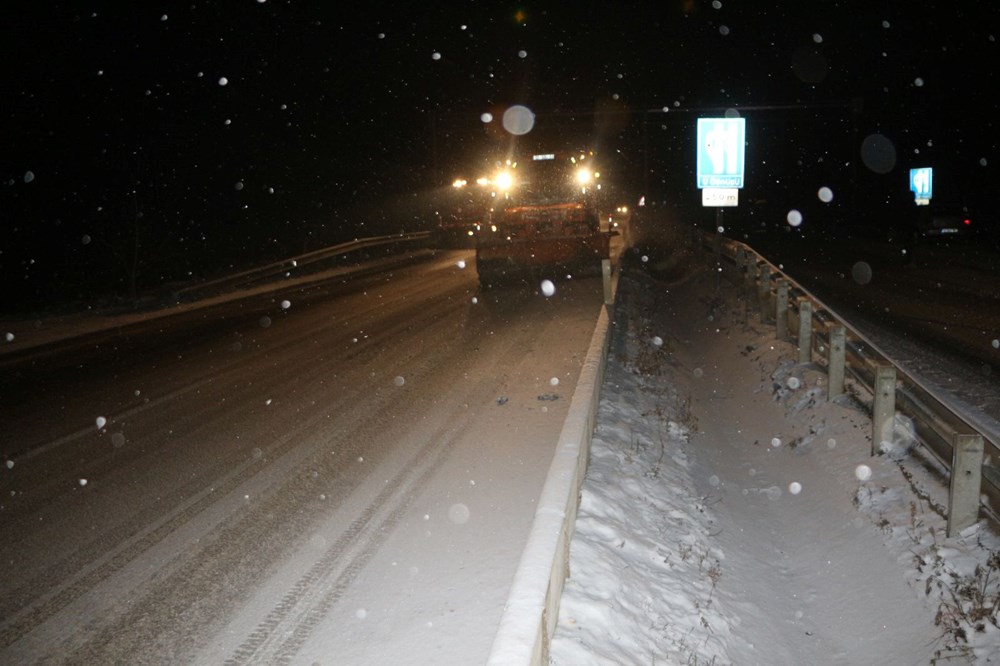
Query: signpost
x,y
721,157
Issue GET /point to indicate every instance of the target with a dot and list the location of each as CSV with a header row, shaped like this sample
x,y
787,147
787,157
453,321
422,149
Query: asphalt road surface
x,y
249,483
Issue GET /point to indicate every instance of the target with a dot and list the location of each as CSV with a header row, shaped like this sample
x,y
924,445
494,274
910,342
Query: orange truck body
x,y
538,241
533,242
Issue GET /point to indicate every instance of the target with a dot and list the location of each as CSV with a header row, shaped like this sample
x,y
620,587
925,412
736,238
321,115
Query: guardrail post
x,y
884,411
751,279
741,261
966,479
764,293
805,331
836,362
606,274
781,311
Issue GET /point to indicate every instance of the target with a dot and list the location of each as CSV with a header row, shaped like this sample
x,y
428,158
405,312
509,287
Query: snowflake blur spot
x,y
793,383
548,288
554,381
265,321
657,341
101,421
795,487
461,263
361,613
10,337
435,56
775,442
286,304
794,217
518,120
486,117
862,272
223,81
83,482
399,380
825,194
863,472
458,513
878,153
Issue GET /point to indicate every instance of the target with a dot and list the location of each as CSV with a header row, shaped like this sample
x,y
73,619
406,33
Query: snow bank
x,y
731,514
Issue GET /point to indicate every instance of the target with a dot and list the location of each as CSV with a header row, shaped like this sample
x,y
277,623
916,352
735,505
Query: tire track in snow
x,y
108,555
289,624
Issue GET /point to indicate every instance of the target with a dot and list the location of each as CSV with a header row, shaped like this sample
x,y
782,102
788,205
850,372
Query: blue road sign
x,y
922,183
721,152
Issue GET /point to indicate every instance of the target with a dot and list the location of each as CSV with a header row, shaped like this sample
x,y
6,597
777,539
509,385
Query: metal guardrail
x,y
933,423
296,264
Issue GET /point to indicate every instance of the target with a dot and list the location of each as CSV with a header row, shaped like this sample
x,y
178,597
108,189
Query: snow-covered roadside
x,y
732,515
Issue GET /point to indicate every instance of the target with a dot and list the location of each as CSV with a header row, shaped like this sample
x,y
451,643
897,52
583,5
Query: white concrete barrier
x,y
532,607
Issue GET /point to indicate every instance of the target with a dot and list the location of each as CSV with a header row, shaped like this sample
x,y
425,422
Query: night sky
x,y
164,141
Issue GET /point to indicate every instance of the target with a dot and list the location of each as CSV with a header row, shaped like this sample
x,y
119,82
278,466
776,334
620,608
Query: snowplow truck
x,y
545,224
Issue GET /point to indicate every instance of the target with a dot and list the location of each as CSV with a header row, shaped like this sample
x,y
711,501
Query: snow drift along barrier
x,y
532,607
903,408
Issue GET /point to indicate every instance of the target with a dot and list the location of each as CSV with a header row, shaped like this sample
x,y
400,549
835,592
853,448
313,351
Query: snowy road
x,y
334,474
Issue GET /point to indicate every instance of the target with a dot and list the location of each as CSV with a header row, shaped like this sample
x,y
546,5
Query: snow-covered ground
x,y
732,515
